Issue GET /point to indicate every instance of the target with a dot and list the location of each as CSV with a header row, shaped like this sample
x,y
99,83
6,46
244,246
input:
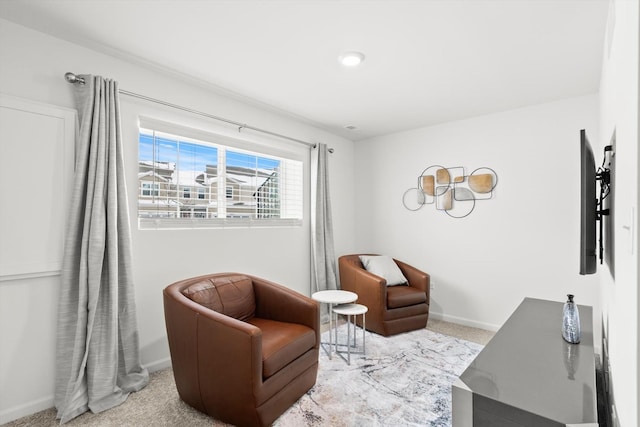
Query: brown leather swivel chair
x,y
243,349
392,309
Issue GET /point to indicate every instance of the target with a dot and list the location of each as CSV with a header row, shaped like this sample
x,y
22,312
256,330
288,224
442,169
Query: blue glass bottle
x,y
571,321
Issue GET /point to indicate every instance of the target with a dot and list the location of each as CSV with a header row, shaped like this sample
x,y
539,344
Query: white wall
x,y
33,66
619,289
523,242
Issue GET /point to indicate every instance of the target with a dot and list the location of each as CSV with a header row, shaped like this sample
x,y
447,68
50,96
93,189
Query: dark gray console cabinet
x,y
527,375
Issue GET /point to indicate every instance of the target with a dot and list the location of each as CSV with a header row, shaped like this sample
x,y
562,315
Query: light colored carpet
x,y
467,333
403,380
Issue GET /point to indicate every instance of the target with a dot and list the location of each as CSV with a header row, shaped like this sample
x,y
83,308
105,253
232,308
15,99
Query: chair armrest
x,y
234,347
371,289
208,344
277,302
417,278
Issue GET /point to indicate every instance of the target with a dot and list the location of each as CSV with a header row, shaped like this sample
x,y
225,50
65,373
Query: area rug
x,y
403,380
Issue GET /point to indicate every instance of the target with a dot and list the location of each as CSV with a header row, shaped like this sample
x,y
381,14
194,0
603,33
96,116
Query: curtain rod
x,y
75,79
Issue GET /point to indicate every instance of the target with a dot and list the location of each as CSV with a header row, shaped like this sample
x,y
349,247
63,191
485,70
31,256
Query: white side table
x,y
351,310
333,297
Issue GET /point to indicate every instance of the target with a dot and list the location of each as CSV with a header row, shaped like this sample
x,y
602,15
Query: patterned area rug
x,y
403,380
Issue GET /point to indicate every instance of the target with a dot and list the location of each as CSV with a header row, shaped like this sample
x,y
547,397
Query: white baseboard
x,y
158,365
464,321
32,407
25,409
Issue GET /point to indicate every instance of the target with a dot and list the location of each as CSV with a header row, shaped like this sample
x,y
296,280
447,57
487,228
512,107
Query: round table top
x,y
350,309
335,296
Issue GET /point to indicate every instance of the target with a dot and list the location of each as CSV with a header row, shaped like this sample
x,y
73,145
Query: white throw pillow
x,y
385,267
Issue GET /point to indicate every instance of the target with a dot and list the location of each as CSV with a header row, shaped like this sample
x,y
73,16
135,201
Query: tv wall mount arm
x,y
603,174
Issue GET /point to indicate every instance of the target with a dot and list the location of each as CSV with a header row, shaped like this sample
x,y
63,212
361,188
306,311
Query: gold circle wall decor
x,y
451,190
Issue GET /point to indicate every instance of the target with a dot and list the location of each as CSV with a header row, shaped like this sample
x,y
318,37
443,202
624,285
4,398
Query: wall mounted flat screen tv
x,y
588,207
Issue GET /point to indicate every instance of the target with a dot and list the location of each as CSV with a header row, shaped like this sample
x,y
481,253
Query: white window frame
x,y
291,175
153,188
186,191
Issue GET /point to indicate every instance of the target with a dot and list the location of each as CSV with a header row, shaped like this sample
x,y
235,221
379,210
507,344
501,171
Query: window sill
x,y
195,223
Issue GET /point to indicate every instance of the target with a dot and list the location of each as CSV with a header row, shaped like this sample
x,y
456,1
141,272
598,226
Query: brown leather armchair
x,y
243,349
392,309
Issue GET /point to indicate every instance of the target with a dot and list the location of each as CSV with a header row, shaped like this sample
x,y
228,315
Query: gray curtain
x,y
323,255
98,361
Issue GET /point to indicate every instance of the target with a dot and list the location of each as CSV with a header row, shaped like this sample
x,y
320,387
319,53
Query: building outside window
x,y
212,183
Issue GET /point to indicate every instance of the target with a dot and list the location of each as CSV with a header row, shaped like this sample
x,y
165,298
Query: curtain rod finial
x,y
72,78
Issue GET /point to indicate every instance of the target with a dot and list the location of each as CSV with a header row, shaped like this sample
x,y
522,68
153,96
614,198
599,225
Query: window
x,y
186,182
150,189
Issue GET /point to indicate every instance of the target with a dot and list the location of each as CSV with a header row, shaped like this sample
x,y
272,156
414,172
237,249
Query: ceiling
x,y
427,62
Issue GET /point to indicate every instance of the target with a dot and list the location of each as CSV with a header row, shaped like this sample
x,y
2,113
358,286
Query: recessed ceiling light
x,y
351,59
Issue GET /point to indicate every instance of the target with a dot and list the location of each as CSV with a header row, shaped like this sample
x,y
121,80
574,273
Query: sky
x,y
194,156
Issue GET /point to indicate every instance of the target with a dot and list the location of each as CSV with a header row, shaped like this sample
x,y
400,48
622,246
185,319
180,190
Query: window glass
x,y
183,178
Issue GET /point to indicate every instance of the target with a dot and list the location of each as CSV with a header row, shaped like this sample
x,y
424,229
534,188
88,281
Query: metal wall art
x,y
451,190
